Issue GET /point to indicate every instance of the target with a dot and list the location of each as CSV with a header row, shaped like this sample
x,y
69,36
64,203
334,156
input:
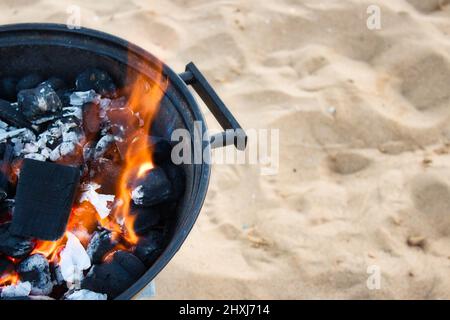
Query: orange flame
x,y
9,279
144,101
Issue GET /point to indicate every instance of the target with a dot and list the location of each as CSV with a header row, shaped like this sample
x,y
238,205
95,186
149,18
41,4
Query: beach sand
x,y
364,169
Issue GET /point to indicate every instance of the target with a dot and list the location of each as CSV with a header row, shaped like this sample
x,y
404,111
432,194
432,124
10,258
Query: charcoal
x,y
29,82
177,177
5,170
55,83
124,124
64,97
120,270
149,248
12,245
98,80
106,173
36,270
79,98
91,120
6,267
36,102
8,88
161,149
56,274
102,242
44,198
12,116
146,219
152,189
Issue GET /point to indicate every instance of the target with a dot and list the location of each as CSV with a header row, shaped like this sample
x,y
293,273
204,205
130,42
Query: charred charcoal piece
x,y
149,248
8,88
64,97
6,209
12,245
161,149
98,80
106,173
152,189
91,120
102,242
146,219
6,267
29,82
12,116
44,198
5,170
177,177
36,270
120,270
35,102
55,83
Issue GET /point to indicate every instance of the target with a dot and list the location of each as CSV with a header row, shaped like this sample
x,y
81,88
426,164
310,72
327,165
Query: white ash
x,y
79,98
84,294
98,200
74,260
21,289
30,147
74,111
64,149
35,156
137,195
44,120
3,125
104,106
103,145
10,134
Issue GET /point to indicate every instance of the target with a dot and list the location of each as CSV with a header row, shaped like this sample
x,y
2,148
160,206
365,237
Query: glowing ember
x,y
9,279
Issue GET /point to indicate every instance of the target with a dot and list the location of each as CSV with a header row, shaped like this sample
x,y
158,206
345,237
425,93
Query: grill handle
x,y
233,134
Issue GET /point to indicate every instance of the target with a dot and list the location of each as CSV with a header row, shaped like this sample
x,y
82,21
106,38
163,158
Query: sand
x,y
364,119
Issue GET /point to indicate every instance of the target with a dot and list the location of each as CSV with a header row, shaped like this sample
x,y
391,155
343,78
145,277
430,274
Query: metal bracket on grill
x,y
233,134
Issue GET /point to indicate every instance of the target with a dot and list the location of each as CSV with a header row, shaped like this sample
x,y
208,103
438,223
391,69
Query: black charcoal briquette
x,y
98,80
12,245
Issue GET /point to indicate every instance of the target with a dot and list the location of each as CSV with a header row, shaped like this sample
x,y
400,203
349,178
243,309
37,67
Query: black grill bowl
x,y
55,50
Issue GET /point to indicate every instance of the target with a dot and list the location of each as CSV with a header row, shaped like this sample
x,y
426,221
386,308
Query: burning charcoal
x,y
103,145
107,173
102,242
91,120
6,208
6,267
29,82
84,294
36,270
8,88
12,245
154,188
44,198
98,80
120,270
146,219
35,102
5,170
55,83
64,97
99,201
19,290
149,247
74,260
11,115
123,121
